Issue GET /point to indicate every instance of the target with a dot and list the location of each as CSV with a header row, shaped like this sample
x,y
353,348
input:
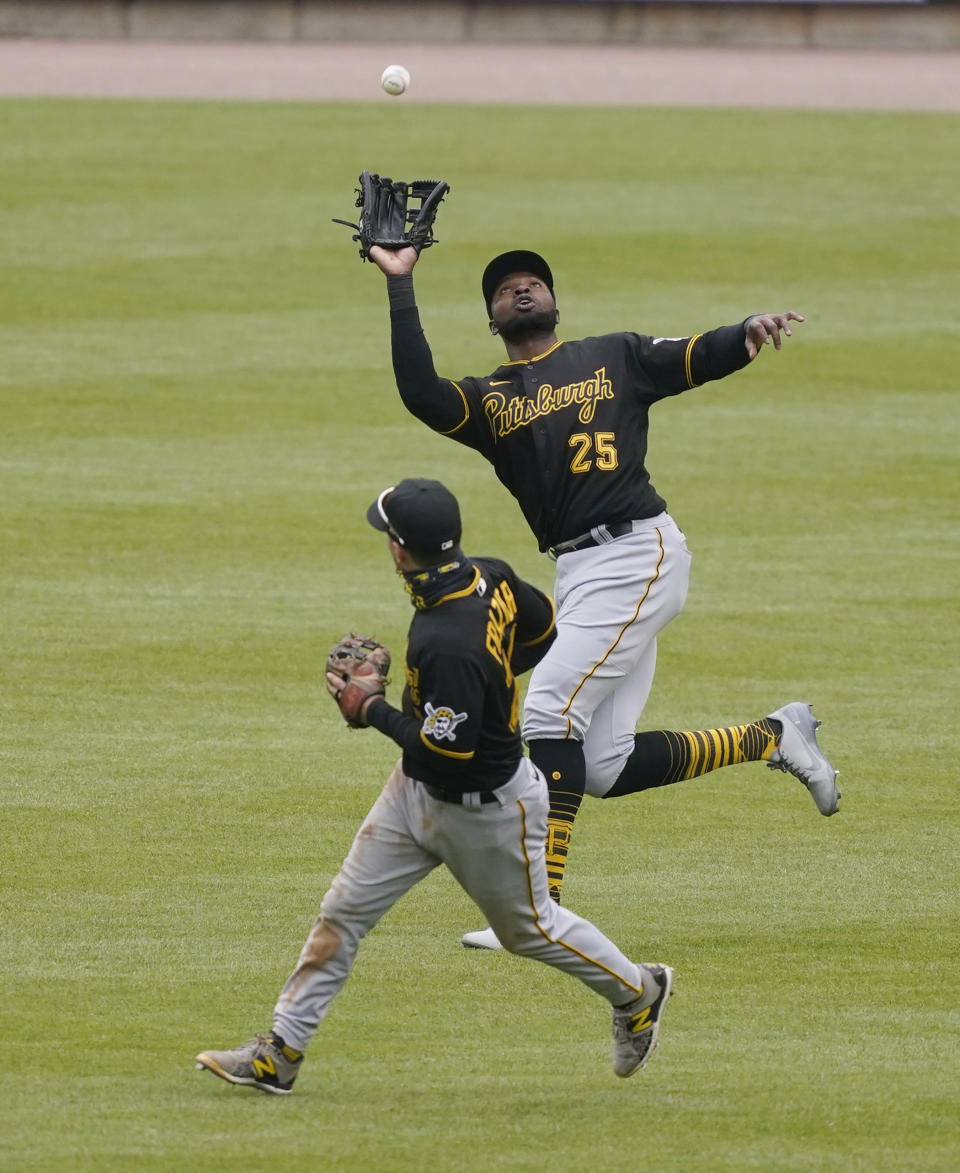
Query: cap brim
x,y
376,518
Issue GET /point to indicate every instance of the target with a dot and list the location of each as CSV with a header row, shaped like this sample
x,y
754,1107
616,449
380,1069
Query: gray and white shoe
x,y
636,1026
798,753
481,939
260,1063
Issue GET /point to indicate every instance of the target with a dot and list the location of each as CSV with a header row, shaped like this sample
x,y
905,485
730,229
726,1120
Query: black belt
x,y
440,795
618,529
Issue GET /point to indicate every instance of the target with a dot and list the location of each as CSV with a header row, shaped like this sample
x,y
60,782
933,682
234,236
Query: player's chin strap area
x,y
599,535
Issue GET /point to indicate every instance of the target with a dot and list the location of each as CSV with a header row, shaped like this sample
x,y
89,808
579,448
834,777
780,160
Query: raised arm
x,y
438,402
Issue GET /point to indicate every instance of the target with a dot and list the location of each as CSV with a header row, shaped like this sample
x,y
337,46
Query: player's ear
x,y
493,328
397,553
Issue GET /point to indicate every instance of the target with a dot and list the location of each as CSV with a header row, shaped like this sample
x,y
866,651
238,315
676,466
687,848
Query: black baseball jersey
x,y
566,431
459,728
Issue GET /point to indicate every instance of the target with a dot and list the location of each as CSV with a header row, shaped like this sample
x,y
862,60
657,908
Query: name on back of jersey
x,y
503,611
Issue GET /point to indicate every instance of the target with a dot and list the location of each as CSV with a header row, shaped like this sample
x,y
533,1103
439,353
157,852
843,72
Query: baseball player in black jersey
x,y
462,794
565,426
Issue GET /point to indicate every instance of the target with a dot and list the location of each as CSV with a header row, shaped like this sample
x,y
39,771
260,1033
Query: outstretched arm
x,y
764,328
435,401
676,364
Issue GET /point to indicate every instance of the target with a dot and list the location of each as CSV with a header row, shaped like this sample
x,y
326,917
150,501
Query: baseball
x,y
395,79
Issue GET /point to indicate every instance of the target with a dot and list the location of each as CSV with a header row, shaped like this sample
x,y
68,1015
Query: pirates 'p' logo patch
x,y
440,722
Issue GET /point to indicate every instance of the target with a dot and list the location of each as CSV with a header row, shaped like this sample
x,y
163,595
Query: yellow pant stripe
x,y
620,633
638,990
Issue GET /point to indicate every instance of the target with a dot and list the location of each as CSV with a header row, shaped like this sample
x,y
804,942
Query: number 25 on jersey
x,y
599,449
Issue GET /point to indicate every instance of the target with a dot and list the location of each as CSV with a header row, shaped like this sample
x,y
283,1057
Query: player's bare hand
x,y
395,262
766,328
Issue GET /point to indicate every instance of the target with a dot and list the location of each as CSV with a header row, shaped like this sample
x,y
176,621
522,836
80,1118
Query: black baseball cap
x,y
520,260
423,516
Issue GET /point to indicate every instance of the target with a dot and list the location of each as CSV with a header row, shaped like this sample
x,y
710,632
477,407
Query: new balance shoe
x,y
261,1063
483,939
798,753
636,1026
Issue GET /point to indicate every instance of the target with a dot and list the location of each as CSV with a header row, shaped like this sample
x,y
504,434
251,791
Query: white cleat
x,y
798,753
484,939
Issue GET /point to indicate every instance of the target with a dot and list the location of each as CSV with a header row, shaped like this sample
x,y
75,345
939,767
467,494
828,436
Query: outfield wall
x,y
842,25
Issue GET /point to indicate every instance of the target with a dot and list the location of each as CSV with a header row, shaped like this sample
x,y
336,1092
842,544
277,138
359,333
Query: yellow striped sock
x,y
701,751
558,843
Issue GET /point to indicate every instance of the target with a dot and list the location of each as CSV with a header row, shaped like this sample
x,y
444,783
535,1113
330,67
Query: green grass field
x,y
198,406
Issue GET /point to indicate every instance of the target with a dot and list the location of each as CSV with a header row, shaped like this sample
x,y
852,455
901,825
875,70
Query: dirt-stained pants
x,y
495,851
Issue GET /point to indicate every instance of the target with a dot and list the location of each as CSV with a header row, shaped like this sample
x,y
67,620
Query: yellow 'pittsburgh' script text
x,y
506,416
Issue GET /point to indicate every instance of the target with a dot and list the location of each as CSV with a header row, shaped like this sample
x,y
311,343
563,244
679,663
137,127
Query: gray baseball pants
x,y
613,600
496,853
